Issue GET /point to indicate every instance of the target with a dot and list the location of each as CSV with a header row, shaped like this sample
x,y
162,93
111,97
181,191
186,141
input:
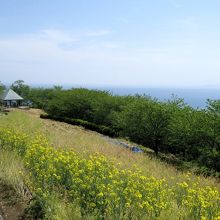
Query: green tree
x,y
190,133
40,97
2,88
145,121
21,88
214,111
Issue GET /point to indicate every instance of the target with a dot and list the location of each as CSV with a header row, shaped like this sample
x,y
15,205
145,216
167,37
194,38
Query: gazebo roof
x,y
11,95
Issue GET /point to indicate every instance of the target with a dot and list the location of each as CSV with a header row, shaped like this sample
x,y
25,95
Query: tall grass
x,y
104,189
12,173
84,142
87,142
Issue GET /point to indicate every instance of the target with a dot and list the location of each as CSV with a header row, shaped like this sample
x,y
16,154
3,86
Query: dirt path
x,y
11,206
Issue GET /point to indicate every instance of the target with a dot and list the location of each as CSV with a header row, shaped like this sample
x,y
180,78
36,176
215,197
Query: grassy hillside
x,y
85,143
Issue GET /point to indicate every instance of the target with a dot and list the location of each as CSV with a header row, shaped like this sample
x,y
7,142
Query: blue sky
x,y
152,43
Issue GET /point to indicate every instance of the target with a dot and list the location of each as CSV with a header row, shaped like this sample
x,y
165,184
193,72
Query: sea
x,y
196,98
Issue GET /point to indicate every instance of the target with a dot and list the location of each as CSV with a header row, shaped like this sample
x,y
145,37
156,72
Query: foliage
x,y
2,88
105,190
88,125
20,88
145,121
170,127
40,97
36,209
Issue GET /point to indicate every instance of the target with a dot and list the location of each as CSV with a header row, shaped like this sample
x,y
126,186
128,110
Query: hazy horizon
x,y
141,86
196,97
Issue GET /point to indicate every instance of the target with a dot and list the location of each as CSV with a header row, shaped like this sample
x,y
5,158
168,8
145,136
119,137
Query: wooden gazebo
x,y
11,99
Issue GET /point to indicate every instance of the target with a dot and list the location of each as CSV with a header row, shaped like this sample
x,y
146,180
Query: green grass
x,y
86,142
68,136
11,168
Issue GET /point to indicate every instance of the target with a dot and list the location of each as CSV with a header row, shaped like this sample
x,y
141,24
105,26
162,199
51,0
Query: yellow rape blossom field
x,y
80,175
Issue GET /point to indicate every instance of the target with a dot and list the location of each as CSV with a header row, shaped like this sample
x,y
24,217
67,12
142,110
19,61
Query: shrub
x,y
88,125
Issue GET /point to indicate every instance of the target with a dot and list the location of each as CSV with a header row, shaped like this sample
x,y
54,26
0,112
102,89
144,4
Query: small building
x,y
11,99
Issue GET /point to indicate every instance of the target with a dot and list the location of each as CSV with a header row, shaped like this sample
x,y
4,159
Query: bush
x,y
168,127
88,125
36,209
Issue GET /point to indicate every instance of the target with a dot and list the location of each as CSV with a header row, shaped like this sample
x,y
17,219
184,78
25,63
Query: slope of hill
x,y
86,143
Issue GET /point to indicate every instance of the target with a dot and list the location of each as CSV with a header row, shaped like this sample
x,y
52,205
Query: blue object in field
x,y
136,150
124,145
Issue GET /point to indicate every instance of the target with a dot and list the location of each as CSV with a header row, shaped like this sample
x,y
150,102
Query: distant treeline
x,y
172,127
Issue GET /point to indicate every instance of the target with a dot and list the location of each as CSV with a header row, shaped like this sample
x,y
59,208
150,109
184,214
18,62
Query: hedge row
x,y
88,125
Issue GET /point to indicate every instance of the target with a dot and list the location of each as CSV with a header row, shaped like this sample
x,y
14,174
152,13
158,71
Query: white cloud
x,y
58,36
40,58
